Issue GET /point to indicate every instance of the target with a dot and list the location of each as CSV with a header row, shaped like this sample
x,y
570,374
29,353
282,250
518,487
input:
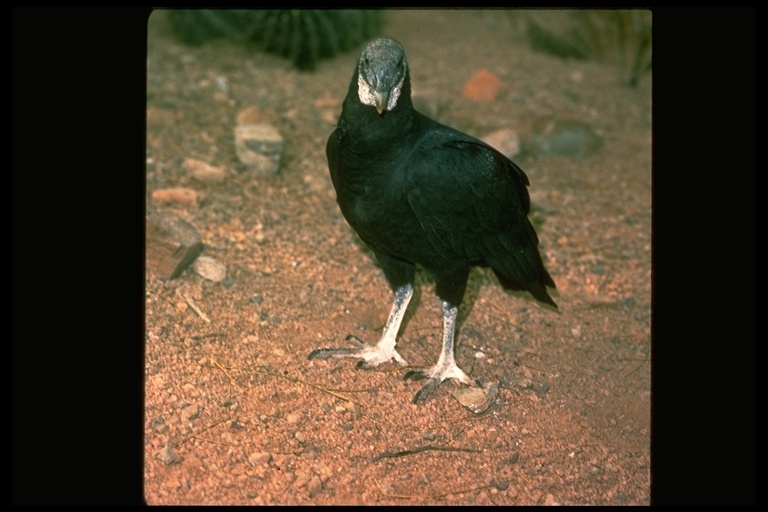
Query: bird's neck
x,y
389,124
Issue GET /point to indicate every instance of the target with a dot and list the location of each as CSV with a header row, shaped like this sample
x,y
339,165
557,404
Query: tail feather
x,y
536,288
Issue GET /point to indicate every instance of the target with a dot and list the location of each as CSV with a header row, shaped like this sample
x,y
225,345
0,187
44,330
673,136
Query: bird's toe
x,y
426,390
437,376
321,353
370,355
415,375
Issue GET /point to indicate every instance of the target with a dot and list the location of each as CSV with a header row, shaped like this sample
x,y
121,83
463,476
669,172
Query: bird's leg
x,y
446,367
384,350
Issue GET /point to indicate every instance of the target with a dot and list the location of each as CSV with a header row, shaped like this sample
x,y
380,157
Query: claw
x,y
320,353
415,375
328,353
426,390
352,337
437,376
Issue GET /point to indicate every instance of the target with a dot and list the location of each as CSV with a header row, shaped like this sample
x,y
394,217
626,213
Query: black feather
x,y
428,194
421,193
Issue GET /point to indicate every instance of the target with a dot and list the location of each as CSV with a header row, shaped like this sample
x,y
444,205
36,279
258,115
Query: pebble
x,y
259,458
293,417
168,456
563,137
210,269
482,86
477,399
172,244
203,171
190,413
501,485
260,147
180,195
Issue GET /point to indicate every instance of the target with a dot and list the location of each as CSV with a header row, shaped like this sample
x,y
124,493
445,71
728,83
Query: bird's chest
x,y
372,205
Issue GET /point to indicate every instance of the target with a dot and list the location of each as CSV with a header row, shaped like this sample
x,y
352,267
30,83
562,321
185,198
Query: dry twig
x,y
429,447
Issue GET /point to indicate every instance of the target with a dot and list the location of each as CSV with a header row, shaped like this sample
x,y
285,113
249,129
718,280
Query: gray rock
x,y
172,244
168,456
190,412
563,137
260,147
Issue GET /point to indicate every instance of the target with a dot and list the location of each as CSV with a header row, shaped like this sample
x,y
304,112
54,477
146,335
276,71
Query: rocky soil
x,y
235,413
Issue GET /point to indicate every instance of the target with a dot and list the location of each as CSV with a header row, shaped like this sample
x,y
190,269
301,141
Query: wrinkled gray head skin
x,y
381,72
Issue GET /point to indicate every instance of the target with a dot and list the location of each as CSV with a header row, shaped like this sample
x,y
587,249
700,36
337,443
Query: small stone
x,y
550,136
260,147
483,86
172,244
210,269
203,171
501,485
293,417
476,399
180,195
259,458
190,413
168,456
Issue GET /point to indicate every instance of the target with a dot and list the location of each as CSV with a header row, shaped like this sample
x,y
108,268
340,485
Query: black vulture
x,y
421,193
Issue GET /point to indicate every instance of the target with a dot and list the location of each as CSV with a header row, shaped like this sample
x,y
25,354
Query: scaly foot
x,y
443,370
371,355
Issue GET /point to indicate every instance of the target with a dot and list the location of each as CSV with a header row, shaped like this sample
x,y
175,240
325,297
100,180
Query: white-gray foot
x,y
436,375
370,355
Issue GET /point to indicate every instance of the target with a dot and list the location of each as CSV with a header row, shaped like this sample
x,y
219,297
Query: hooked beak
x,y
381,98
